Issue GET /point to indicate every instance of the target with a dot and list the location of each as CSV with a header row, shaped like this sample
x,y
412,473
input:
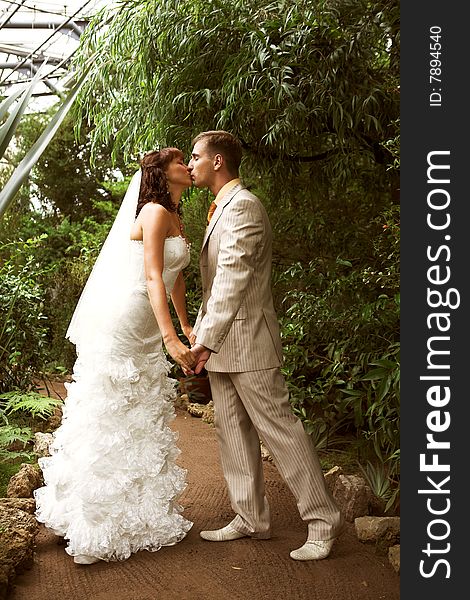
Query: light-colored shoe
x,y
313,550
83,559
225,534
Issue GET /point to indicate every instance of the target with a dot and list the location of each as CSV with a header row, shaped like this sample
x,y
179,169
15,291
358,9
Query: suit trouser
x,y
255,405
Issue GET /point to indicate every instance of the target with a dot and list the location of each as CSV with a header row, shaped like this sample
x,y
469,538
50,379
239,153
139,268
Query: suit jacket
x,y
237,320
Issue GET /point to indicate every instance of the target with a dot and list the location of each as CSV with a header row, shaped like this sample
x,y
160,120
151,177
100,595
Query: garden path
x,y
194,569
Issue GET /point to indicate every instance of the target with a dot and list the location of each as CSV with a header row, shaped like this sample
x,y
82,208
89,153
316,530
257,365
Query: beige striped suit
x,y
237,321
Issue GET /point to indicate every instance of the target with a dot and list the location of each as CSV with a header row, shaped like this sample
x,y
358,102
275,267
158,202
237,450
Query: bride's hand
x,y
181,354
188,332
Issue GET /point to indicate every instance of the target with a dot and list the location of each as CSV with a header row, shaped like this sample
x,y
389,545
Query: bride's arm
x,y
154,219
178,297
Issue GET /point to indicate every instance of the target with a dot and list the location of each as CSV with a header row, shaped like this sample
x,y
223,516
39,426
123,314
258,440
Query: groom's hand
x,y
201,354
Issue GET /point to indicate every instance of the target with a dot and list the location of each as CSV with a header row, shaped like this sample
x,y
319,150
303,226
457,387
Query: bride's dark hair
x,y
154,185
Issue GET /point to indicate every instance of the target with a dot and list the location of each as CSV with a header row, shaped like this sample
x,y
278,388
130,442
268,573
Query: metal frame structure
x,y
53,23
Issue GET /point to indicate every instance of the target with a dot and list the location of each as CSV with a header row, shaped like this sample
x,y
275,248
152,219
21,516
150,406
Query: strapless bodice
x,y
176,258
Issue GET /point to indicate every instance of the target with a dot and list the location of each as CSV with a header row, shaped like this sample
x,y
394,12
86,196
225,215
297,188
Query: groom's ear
x,y
218,161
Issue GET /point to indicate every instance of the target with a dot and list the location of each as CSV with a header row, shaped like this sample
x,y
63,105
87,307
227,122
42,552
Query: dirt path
x,y
198,570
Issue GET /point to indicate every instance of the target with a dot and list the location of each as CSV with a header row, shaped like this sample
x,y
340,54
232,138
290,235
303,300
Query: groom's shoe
x,y
229,533
313,550
225,534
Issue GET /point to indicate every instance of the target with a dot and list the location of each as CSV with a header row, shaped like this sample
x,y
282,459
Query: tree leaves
x,y
293,81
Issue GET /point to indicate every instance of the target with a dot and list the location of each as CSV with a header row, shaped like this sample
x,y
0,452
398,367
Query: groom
x,y
237,333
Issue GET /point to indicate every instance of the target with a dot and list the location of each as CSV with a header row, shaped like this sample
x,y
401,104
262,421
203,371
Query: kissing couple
x,y
112,483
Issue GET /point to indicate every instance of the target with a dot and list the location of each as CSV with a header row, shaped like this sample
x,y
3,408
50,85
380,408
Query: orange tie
x,y
212,208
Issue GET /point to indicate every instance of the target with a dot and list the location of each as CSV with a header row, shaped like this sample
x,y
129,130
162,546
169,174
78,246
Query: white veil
x,y
101,299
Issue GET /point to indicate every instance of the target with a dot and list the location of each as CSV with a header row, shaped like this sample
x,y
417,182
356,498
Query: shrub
x,y
23,327
340,331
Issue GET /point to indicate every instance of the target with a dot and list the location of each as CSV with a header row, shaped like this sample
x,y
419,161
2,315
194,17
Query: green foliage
x,y
23,331
79,205
374,399
40,282
12,435
380,480
64,182
28,404
325,436
19,411
304,82
195,204
340,330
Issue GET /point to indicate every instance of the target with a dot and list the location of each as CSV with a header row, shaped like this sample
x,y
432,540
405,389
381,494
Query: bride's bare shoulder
x,y
153,211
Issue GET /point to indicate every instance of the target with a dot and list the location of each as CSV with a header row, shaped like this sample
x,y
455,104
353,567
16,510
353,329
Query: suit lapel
x,y
219,210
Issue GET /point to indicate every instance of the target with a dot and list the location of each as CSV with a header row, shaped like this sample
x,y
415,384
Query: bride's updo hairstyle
x,y
154,185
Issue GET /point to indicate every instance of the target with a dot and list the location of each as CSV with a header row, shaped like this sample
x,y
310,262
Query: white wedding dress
x,y
111,482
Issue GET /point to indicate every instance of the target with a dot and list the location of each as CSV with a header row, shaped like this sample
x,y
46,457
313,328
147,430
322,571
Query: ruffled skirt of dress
x,y
111,482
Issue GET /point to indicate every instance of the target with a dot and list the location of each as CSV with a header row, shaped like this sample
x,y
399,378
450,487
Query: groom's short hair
x,y
224,143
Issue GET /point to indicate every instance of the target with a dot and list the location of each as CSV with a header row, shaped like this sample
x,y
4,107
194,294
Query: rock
x,y
18,531
28,479
27,505
182,401
42,442
265,455
394,557
371,528
384,532
205,411
208,413
195,409
352,494
331,477
53,422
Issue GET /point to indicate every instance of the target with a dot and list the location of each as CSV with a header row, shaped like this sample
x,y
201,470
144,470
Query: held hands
x,y
182,355
201,355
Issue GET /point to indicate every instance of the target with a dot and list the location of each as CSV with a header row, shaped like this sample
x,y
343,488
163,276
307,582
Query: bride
x,y
111,482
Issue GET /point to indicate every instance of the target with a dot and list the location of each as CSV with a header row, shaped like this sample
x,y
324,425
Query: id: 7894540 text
x,y
435,66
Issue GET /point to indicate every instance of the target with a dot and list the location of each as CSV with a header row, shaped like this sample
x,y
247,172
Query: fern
x,y
30,403
10,455
9,434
